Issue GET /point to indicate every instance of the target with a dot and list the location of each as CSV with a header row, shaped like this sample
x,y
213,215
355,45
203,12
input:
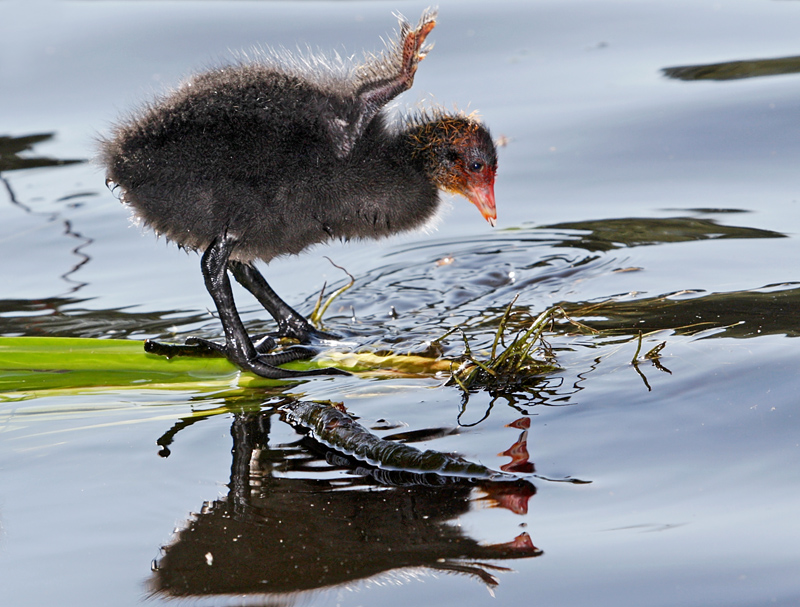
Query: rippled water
x,y
649,184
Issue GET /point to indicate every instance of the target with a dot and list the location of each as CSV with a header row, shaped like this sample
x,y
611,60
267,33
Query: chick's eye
x,y
476,166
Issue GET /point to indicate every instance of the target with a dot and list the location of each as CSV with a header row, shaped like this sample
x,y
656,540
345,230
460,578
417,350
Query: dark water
x,y
649,184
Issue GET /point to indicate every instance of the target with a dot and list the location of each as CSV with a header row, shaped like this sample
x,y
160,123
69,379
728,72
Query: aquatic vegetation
x,y
320,308
509,367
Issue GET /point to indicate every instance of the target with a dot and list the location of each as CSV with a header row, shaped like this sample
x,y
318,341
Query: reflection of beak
x,y
482,196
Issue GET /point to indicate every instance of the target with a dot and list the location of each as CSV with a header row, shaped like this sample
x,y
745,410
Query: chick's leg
x,y
238,347
290,323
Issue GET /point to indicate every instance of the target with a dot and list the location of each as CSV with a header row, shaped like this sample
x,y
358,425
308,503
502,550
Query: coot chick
x,y
266,158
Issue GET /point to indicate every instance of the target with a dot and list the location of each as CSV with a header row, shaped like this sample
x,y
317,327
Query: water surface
x,y
649,184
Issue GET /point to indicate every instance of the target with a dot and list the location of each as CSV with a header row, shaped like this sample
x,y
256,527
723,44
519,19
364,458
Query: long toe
x,y
286,356
299,353
270,372
304,334
263,343
194,346
266,365
317,335
205,347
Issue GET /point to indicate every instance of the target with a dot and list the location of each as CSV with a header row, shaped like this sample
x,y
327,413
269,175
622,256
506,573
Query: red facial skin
x,y
474,172
480,192
461,158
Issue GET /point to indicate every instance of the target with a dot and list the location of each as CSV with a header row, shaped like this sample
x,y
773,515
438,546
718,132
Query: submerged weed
x,y
511,367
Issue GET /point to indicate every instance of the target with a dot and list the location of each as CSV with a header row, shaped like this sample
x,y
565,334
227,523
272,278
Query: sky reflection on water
x,y
637,200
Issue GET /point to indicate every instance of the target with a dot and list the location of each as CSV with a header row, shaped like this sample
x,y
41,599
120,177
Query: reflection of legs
x,y
249,431
238,348
290,323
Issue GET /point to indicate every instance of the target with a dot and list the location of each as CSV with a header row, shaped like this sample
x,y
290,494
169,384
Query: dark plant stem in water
x,y
338,430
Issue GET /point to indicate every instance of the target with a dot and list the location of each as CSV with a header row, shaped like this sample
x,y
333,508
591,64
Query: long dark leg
x,y
239,348
290,323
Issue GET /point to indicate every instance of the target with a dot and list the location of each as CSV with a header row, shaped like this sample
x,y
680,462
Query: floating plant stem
x,y
638,349
519,350
653,355
338,430
655,352
320,308
472,359
498,337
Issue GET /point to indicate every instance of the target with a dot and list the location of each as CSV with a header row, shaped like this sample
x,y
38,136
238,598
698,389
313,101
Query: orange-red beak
x,y
482,196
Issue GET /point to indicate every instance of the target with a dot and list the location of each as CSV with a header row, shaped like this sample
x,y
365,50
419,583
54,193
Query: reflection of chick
x,y
280,530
